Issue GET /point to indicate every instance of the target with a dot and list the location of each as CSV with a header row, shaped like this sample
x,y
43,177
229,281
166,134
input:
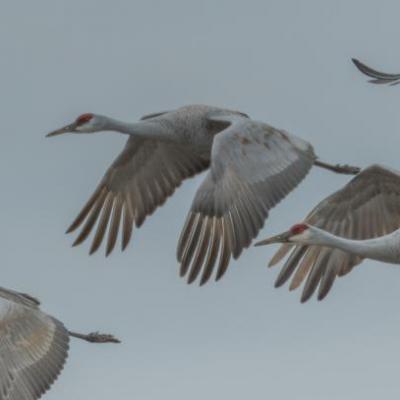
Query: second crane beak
x,y
66,129
281,238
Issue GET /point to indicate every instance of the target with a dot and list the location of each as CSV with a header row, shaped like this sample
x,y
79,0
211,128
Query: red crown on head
x,y
298,229
82,119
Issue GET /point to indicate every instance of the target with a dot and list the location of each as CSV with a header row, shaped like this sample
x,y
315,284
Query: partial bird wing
x,y
18,297
142,177
365,208
154,115
253,167
379,77
33,350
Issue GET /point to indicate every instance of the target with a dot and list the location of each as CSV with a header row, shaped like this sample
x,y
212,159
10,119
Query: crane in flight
x,y
33,346
377,76
252,166
359,221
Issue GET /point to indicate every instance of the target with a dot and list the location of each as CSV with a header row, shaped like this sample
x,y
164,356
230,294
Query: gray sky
x,y
284,62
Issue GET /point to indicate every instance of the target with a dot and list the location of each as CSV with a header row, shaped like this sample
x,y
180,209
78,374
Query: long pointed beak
x,y
66,129
281,238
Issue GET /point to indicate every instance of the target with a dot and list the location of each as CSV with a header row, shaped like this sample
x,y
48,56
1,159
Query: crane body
x,y
251,167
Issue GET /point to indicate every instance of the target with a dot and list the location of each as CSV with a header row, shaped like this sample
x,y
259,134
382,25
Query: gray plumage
x,y
252,166
33,347
367,207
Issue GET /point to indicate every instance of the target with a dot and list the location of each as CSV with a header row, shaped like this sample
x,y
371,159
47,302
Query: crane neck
x,y
381,248
141,129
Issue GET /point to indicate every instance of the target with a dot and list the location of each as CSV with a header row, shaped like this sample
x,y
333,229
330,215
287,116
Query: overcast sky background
x,y
283,62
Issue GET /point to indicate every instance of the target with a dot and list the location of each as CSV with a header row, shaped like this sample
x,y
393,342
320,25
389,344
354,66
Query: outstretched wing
x,y
367,207
142,177
379,77
33,350
253,167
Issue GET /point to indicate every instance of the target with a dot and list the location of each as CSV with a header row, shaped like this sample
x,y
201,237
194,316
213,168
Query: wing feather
x,y
253,167
142,177
367,207
378,77
33,349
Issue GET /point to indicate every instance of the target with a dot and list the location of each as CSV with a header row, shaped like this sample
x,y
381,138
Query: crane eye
x,y
298,228
84,118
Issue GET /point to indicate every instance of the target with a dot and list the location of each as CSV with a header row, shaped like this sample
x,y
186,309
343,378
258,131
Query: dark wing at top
x,y
253,167
33,350
367,207
142,177
154,115
379,77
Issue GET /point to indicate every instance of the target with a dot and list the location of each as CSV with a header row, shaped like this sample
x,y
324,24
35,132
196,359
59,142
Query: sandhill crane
x,y
252,167
378,77
361,220
33,347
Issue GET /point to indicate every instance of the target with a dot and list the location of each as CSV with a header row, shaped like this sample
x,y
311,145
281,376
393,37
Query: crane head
x,y
297,233
85,123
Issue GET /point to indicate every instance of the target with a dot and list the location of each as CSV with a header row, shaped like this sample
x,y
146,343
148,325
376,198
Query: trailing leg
x,y
95,337
338,168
